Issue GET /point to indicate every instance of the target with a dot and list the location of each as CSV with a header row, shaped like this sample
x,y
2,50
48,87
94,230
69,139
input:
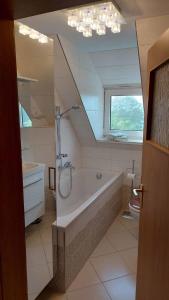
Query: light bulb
x,y
87,16
23,29
110,22
80,27
95,24
101,30
103,14
43,39
34,34
72,20
116,28
87,32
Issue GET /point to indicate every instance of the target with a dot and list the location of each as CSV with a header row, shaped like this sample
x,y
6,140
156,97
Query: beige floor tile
x,y
130,257
122,288
50,266
104,247
135,231
86,277
96,292
48,252
38,278
122,240
32,296
46,235
116,227
33,238
110,266
128,223
35,255
50,294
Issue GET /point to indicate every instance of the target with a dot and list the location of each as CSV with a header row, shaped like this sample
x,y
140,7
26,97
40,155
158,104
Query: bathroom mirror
x,y
35,63
35,81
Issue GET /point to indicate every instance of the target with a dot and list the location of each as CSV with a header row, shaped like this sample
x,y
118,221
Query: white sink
x,y
34,191
30,168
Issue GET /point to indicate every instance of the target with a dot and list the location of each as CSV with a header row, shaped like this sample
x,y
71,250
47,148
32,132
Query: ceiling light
x,y
87,32
116,28
43,39
34,34
101,30
96,17
23,29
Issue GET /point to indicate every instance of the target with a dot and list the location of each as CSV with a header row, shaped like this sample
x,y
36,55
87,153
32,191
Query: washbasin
x,y
27,166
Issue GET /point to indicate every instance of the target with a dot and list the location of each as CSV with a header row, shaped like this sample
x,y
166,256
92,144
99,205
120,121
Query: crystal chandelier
x,y
33,34
96,18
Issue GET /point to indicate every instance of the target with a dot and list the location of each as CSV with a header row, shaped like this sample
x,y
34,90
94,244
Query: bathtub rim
x,y
64,221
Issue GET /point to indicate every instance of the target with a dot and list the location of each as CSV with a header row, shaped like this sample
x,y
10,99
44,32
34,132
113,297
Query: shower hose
x,y
61,170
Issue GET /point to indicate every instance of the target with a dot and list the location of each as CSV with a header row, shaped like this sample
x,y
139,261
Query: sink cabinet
x,y
34,193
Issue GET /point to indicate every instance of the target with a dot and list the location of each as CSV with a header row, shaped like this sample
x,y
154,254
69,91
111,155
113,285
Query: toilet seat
x,y
134,210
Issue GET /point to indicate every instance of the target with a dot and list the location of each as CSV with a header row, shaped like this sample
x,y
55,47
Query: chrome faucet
x,y
67,165
61,155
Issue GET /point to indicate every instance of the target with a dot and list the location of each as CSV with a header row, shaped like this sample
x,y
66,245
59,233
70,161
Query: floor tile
x,y
35,255
116,227
122,288
86,277
130,257
46,235
32,296
48,252
38,278
110,266
33,238
122,240
50,266
135,231
96,292
50,294
128,223
104,247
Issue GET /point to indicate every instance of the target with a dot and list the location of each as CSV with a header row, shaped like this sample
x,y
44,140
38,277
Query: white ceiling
x,y
56,23
112,66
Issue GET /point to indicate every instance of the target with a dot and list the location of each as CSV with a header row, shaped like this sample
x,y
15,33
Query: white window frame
x,y
132,136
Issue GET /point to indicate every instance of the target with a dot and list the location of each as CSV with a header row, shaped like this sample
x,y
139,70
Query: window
x,y
25,120
124,115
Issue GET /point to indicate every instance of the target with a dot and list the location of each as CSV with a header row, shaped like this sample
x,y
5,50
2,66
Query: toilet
x,y
134,208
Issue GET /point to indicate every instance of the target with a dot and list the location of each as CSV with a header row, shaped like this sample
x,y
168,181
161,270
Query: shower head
x,y
74,107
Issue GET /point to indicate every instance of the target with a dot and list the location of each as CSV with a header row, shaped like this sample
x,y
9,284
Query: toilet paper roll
x,y
131,176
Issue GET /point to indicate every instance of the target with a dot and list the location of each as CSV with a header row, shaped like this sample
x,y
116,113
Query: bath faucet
x,y
61,155
67,165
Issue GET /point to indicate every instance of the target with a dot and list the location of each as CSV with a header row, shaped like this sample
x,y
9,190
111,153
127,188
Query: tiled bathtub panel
x,y
73,256
80,223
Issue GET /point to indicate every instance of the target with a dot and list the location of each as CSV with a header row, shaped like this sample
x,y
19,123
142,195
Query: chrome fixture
x,y
99,176
67,165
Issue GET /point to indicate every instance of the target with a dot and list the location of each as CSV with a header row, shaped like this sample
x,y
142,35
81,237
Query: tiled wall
x,y
148,32
115,158
69,141
38,145
88,83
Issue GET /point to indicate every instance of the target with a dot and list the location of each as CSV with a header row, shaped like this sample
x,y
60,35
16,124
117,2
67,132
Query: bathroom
x,y
82,109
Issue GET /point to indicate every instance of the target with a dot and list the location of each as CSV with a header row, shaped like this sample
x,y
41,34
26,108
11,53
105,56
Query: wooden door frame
x,y
13,281
157,56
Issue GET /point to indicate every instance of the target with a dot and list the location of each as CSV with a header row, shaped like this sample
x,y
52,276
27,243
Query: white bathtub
x,y
82,221
86,189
